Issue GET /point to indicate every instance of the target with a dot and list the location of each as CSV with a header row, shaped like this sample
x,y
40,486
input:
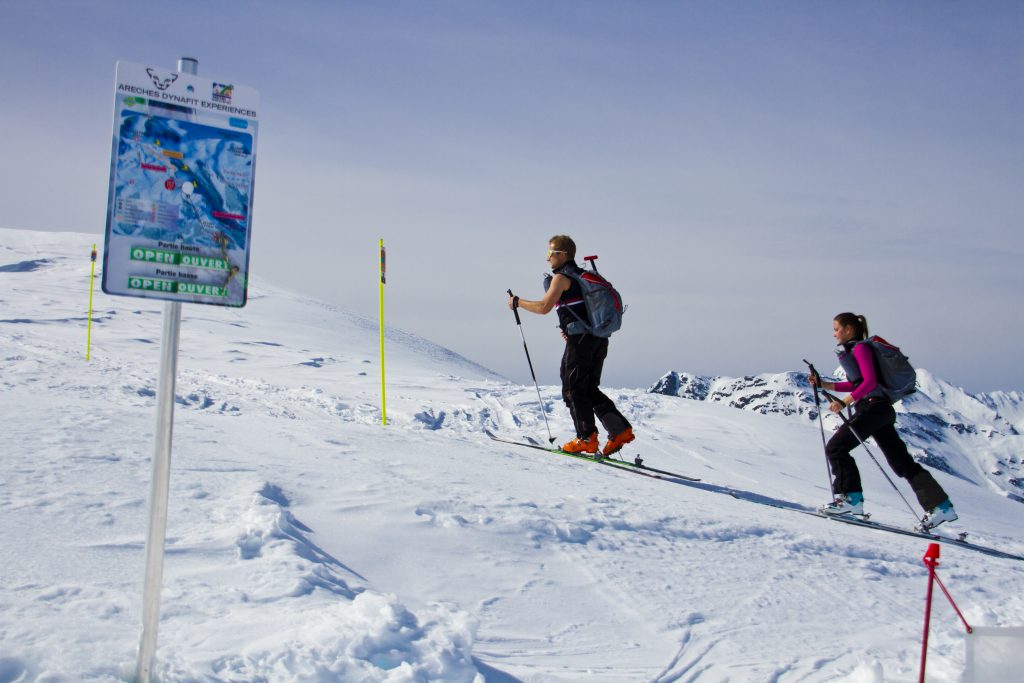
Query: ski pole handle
x,y
831,398
817,399
515,308
814,373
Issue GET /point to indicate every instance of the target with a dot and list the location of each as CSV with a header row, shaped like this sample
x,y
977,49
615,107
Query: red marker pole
x,y
931,560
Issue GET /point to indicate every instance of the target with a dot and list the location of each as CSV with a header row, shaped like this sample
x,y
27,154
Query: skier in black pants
x,y
583,359
873,416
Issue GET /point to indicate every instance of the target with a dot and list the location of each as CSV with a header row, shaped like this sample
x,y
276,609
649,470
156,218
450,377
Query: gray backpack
x,y
897,377
601,299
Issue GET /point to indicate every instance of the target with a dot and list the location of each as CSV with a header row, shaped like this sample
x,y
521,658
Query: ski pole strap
x,y
515,306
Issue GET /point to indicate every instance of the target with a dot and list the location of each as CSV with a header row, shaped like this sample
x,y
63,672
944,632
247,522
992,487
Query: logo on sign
x,y
222,93
159,81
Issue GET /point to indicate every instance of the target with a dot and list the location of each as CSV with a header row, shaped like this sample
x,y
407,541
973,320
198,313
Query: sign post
x,y
179,210
159,493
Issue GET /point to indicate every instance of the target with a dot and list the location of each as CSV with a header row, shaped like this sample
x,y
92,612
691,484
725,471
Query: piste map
x,y
179,181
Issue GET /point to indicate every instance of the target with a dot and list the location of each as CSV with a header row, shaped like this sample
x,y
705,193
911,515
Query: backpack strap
x,y
581,320
575,274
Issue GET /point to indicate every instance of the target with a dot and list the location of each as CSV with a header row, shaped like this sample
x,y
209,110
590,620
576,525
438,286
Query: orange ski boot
x,y
615,443
578,445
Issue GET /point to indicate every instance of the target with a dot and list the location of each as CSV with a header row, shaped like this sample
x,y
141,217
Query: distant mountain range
x,y
978,437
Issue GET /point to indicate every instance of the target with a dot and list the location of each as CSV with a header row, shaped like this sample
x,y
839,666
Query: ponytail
x,y
859,323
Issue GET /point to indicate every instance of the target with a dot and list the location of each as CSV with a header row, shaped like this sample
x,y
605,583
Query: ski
x,y
960,541
624,465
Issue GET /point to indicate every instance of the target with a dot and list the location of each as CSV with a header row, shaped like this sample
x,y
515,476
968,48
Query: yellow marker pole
x,y
383,394
88,326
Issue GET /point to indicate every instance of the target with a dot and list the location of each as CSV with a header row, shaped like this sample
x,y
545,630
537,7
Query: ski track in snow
x,y
307,542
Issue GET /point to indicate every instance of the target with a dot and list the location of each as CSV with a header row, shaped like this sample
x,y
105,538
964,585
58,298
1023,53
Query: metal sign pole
x,y
159,491
161,477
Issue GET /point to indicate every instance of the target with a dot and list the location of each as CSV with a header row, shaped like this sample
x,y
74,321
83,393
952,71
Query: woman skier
x,y
873,416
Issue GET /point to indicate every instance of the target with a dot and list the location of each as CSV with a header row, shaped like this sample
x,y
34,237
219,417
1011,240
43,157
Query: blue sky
x,y
745,170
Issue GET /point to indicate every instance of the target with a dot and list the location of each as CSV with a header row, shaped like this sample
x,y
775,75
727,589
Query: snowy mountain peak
x,y
971,435
786,393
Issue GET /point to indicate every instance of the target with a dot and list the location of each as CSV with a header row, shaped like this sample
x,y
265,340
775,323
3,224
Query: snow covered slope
x,y
307,542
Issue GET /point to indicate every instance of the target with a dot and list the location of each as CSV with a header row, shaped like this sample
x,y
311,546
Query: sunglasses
x,y
554,251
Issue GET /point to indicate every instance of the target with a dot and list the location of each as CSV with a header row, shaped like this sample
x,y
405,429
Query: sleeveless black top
x,y
571,299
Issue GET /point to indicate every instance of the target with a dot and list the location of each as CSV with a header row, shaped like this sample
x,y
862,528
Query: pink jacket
x,y
866,362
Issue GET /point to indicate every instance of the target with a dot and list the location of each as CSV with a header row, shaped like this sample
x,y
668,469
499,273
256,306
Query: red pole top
x,y
590,258
931,556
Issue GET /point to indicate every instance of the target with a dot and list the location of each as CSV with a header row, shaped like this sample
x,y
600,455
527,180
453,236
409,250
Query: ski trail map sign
x,y
182,172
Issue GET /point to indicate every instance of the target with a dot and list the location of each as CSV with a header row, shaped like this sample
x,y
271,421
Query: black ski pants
x,y
582,364
876,417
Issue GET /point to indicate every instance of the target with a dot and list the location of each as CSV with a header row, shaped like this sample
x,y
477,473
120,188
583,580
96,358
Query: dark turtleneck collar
x,y
568,265
848,346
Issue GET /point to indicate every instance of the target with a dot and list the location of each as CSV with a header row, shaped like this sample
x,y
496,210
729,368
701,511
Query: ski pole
x,y
821,424
833,399
519,323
